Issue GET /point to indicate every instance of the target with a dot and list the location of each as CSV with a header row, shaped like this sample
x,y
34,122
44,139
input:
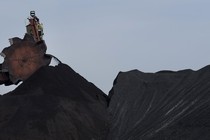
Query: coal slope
x,y
165,105
55,103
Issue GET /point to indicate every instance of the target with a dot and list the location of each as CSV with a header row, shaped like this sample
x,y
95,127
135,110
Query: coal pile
x,y
55,103
165,105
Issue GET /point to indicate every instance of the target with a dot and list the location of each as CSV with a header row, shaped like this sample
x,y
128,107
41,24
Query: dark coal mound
x,y
165,105
55,103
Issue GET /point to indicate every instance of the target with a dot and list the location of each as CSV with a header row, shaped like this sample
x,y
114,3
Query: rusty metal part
x,y
34,28
23,58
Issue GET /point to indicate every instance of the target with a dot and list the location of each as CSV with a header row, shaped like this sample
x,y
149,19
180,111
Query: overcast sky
x,y
99,38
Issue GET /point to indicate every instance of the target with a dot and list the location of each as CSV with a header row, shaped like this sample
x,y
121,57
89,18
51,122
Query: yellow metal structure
x,y
35,28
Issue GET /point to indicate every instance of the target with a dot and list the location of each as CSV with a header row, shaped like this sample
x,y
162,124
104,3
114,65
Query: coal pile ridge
x,y
165,105
54,103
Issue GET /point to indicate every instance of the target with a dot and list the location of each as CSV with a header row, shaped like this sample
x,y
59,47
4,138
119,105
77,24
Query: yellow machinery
x,y
35,28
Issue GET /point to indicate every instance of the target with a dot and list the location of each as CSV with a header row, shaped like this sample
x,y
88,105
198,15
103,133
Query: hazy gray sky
x,y
99,38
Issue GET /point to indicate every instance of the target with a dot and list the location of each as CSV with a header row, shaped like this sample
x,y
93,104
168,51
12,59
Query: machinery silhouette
x,y
24,56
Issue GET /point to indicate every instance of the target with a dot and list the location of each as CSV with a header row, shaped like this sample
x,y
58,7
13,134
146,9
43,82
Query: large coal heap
x,y
165,105
54,103
57,103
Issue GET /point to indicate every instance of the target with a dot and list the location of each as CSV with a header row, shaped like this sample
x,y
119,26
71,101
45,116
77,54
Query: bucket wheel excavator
x,y
25,56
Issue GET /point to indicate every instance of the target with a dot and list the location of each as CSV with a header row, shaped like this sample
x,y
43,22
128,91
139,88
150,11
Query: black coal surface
x,y
55,103
165,105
